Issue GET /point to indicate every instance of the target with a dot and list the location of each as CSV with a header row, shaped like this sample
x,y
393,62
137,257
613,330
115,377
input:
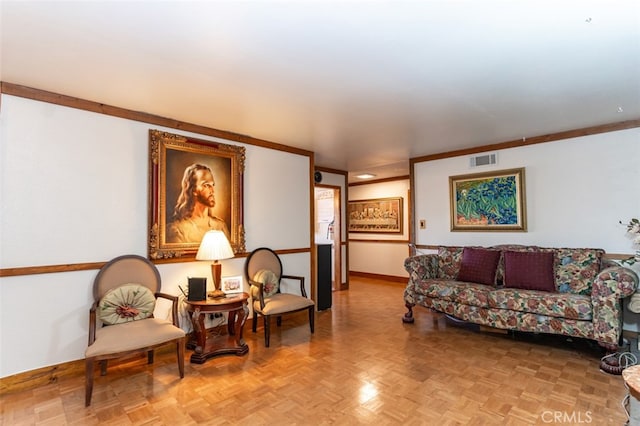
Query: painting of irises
x,y
492,201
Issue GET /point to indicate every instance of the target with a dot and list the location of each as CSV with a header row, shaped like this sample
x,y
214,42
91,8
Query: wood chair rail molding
x,y
72,267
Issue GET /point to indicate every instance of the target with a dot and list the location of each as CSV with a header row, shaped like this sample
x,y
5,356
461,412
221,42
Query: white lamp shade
x,y
214,246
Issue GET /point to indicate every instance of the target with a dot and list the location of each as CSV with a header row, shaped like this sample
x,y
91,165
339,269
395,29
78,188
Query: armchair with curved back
x,y
121,321
263,270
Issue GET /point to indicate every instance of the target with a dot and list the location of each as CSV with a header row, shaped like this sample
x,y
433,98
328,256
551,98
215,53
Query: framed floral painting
x,y
491,201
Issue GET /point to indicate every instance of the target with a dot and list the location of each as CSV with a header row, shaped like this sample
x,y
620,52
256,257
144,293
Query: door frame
x,y
337,233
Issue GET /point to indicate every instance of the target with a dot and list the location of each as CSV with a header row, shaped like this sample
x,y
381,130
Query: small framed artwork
x,y
378,216
194,186
491,201
231,285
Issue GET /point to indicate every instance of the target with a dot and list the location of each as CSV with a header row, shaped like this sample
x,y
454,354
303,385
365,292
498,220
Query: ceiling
x,y
366,85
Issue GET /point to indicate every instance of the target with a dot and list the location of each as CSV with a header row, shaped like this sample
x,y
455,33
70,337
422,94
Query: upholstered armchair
x,y
121,321
263,270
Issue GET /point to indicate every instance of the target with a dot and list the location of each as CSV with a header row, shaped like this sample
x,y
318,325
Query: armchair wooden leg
x,y
254,322
180,354
103,367
267,331
88,381
150,357
311,318
279,320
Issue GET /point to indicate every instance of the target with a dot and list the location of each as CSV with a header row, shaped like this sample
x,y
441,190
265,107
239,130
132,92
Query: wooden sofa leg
x,y
408,316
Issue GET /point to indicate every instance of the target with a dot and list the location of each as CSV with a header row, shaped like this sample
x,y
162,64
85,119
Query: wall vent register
x,y
483,160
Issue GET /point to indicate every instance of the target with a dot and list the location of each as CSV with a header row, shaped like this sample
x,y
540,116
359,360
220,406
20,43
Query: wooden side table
x,y
207,346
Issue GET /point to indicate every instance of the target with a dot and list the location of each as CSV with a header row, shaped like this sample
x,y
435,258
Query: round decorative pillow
x,y
269,280
129,302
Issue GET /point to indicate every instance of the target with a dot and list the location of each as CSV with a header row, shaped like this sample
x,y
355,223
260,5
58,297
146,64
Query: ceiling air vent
x,y
483,160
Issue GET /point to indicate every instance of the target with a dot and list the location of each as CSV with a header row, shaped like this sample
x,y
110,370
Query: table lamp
x,y
215,246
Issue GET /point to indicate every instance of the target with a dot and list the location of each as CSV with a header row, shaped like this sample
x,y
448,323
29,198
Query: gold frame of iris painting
x,y
490,201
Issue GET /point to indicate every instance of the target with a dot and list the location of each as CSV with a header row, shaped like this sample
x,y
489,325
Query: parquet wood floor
x,y
362,366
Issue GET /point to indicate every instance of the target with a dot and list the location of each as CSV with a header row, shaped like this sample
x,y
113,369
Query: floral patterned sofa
x,y
568,291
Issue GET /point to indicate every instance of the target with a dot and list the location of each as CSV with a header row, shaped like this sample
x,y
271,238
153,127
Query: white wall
x,y
73,189
377,257
576,192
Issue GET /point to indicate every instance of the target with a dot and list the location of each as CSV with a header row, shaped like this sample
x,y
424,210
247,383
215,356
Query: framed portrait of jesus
x,y
194,186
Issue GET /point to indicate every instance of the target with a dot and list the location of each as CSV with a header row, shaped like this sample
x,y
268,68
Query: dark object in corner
x,y
197,289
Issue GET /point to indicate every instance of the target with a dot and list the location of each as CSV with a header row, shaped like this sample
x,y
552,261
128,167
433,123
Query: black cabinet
x,y
324,276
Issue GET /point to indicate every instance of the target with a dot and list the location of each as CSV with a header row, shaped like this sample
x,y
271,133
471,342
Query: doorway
x,y
328,227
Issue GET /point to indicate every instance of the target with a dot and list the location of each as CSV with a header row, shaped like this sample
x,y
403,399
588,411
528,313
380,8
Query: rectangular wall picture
x,y
194,186
491,201
381,215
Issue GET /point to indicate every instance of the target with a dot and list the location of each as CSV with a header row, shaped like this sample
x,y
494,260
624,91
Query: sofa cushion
x,y
449,259
576,269
529,270
479,265
509,247
455,291
559,305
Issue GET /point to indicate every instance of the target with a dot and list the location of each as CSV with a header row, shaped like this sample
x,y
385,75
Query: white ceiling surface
x,y
365,85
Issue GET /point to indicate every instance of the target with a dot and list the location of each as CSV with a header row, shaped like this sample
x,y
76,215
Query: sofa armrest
x,y
422,266
614,281
611,285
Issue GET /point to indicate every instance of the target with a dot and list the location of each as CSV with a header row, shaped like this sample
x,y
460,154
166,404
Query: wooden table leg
x,y
197,319
238,324
231,320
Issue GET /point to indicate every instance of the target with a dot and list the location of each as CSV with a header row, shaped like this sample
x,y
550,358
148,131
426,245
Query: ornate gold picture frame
x,y
194,186
490,201
377,216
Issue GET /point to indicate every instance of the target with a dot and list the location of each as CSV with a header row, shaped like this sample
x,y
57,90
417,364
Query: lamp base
x,y
216,294
216,272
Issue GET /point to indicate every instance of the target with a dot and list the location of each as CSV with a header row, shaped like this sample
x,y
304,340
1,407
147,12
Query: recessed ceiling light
x,y
366,176
620,109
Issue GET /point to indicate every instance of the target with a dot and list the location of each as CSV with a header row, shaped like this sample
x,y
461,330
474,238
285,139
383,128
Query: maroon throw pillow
x,y
529,270
479,265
